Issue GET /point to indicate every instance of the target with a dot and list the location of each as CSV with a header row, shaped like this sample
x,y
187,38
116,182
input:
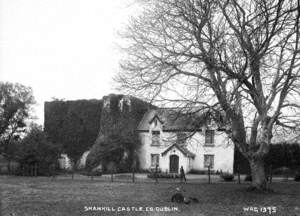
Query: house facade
x,y
170,141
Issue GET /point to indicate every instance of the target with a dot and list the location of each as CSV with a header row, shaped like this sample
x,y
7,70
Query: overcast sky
x,y
61,48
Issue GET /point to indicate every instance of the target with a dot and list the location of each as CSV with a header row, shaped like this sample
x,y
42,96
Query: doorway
x,y
174,164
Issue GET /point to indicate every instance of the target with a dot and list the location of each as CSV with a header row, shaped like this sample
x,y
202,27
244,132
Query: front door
x,y
174,164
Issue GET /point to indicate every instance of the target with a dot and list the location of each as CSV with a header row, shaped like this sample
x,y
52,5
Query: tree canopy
x,y
237,57
16,101
36,148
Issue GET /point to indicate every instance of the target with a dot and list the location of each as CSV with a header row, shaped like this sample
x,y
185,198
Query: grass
x,y
27,196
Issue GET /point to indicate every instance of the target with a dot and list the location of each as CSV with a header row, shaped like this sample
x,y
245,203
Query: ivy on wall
x,y
118,140
106,127
73,125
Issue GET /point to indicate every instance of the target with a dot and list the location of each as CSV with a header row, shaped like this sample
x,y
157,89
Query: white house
x,y
169,140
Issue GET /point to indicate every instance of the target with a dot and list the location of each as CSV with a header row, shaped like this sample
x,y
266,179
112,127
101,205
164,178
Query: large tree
x,y
237,57
16,101
36,149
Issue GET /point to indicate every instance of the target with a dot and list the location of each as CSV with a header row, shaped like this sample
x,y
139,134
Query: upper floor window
x,y
209,137
155,138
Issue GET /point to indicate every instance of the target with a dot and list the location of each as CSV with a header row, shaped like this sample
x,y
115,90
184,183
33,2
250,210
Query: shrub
x,y
227,176
248,178
95,172
37,154
203,172
163,175
297,176
282,171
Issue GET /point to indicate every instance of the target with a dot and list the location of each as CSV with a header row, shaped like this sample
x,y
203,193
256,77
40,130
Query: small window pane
x,y
209,161
154,160
209,137
155,138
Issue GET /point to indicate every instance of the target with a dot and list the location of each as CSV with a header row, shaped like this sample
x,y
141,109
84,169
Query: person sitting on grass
x,y
178,197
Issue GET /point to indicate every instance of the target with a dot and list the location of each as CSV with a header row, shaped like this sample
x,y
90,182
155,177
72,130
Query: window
x,y
154,160
209,161
155,138
209,137
190,163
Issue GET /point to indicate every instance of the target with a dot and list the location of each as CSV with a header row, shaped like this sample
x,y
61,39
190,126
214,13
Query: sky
x,y
63,49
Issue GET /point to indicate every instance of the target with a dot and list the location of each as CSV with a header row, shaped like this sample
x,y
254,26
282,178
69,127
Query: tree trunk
x,y
259,180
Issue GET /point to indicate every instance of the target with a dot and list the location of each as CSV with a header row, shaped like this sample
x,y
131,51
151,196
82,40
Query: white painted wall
x,y
147,149
223,151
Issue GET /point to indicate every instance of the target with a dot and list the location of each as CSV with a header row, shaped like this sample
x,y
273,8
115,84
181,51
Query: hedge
x,y
280,155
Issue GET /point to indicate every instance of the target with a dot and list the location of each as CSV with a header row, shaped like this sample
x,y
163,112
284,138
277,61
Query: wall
x,y
223,151
74,125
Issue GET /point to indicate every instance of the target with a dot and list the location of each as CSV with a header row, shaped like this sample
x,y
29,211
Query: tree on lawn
x,y
16,101
240,58
35,149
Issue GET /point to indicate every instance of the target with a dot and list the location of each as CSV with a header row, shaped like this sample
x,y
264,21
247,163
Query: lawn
x,y
41,196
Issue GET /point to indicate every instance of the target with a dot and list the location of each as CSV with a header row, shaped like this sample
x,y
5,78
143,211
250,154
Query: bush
x,y
203,172
91,173
227,176
248,178
163,175
36,154
297,176
282,171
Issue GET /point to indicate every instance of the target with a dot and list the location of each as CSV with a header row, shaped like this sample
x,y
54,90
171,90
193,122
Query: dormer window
x,y
209,137
155,138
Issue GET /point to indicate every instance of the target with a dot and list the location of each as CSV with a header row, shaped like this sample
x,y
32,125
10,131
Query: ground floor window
x,y
190,163
154,160
209,161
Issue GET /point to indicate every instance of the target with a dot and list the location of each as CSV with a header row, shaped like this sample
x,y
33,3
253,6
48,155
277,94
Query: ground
x,y
42,196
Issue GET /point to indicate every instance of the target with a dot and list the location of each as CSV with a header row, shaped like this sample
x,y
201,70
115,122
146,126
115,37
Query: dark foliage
x,y
280,155
248,178
16,101
35,150
163,175
117,139
284,155
73,124
91,173
282,171
204,172
227,176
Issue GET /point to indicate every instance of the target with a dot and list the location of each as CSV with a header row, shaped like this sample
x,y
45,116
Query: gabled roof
x,y
173,120
183,150
156,117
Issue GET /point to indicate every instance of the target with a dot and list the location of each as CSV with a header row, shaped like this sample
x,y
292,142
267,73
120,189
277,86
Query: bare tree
x,y
240,57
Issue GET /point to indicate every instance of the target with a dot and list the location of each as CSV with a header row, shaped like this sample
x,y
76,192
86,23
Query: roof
x,y
173,120
181,148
